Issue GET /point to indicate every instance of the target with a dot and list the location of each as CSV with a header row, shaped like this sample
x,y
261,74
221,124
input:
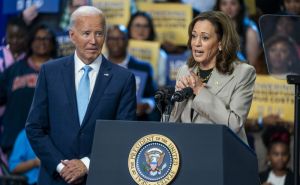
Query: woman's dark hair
x,y
147,16
52,35
240,28
227,35
276,134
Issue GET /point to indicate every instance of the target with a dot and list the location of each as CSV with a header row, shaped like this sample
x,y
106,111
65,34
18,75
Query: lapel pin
x,y
106,74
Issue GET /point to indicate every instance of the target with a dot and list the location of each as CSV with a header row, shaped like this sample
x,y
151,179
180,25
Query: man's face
x,y
116,43
88,35
16,39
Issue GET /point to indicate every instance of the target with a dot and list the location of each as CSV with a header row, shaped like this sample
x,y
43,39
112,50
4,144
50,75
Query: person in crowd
x,y
117,44
277,141
141,27
71,94
222,86
14,49
18,82
246,28
282,57
291,7
23,160
16,43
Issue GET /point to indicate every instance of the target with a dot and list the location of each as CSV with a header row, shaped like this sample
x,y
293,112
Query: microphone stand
x,y
295,79
166,115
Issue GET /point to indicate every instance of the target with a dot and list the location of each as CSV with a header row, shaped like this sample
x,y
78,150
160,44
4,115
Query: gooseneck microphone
x,y
162,98
181,95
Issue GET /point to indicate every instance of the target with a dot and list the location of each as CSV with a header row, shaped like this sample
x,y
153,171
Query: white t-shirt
x,y
276,180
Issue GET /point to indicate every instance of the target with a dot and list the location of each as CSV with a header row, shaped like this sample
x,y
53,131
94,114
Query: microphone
x,y
181,95
163,96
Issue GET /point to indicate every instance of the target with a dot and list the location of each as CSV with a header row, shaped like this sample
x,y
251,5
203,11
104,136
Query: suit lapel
x,y
68,73
218,81
216,84
103,78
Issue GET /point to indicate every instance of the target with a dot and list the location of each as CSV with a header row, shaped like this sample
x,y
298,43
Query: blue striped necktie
x,y
83,93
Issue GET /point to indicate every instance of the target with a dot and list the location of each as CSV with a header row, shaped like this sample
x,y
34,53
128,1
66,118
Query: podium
x,y
209,154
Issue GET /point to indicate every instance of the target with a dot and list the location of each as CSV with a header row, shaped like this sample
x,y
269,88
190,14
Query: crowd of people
x,y
226,50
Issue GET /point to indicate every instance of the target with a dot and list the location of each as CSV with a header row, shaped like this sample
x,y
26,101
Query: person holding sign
x,y
222,86
117,43
141,27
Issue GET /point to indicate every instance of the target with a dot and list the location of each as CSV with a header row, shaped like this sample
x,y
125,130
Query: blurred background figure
x,y
15,43
23,160
13,49
18,82
70,7
277,142
117,43
291,7
141,27
246,28
282,56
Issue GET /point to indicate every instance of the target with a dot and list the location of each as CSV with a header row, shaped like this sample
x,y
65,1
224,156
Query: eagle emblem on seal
x,y
154,161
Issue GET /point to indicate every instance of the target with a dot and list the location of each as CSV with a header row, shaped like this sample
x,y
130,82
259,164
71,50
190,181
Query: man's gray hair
x,y
85,11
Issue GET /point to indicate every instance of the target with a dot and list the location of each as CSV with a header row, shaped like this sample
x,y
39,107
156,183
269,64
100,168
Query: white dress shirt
x,y
95,65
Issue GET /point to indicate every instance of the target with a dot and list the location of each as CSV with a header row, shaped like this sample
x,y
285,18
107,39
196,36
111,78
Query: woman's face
x,y
279,156
41,44
204,44
279,55
292,6
140,28
230,7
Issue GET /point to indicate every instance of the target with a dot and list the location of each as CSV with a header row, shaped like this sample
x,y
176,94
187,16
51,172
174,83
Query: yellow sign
x,y
171,20
272,96
147,51
115,11
251,6
153,160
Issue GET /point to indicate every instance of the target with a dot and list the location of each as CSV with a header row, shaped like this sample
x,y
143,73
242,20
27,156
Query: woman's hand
x,y
191,80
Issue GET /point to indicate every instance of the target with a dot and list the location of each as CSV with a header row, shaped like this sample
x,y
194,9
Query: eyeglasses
x,y
42,39
116,38
143,26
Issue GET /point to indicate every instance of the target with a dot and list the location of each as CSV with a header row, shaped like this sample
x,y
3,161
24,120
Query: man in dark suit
x,y
117,43
71,94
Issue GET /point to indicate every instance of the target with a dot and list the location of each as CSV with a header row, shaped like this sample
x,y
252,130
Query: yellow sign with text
x,y
147,51
171,20
115,11
272,96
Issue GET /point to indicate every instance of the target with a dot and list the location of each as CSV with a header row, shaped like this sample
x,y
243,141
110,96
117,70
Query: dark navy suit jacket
x,y
53,124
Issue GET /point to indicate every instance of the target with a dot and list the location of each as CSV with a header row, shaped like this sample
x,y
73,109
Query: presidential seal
x,y
153,160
